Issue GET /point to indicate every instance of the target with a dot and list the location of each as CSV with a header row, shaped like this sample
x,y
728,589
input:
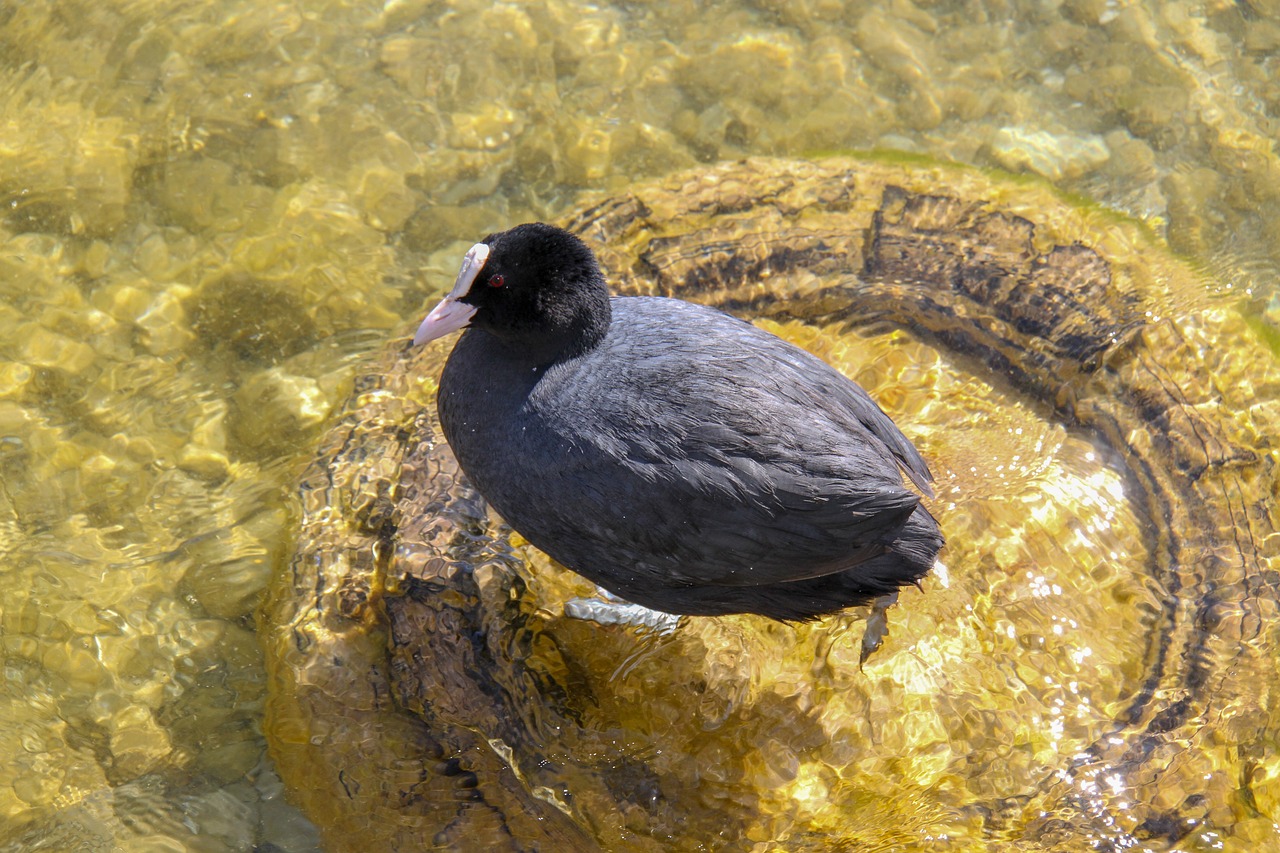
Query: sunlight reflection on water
x,y
211,211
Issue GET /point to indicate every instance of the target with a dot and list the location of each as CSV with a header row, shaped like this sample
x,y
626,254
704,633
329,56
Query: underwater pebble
x,y
81,180
477,174
589,157
1154,112
649,150
894,46
223,817
164,323
433,226
1100,86
1252,158
122,300
15,378
385,199
208,194
1052,156
1263,36
281,825
152,257
588,37
95,259
273,409
1131,159
768,59
205,453
1192,198
45,348
254,318
137,742
228,580
484,131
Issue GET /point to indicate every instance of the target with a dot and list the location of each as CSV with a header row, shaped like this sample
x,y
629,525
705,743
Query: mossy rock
x,y
1088,673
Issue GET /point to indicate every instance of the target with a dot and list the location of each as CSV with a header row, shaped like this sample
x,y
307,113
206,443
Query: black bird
x,y
676,456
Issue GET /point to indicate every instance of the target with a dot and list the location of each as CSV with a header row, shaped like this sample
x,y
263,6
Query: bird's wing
x,y
734,459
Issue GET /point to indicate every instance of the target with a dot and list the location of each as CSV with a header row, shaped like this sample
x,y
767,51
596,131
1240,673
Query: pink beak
x,y
452,314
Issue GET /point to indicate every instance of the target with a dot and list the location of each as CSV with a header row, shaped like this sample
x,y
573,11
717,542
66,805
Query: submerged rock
x,y
1106,488
1051,156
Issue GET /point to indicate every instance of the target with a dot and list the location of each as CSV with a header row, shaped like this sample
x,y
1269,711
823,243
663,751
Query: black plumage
x,y
679,457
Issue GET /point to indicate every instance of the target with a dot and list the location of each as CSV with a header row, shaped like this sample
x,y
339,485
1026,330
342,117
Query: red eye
x,y
496,280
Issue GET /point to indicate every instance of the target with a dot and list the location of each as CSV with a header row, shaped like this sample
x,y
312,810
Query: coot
x,y
681,458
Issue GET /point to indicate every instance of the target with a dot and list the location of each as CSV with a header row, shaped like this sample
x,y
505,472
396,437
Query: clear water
x,y
208,211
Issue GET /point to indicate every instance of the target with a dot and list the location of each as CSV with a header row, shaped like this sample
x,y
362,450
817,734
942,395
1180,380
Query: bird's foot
x,y
877,626
878,622
610,610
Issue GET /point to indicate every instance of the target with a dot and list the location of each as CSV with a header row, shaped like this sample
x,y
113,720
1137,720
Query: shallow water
x,y
211,210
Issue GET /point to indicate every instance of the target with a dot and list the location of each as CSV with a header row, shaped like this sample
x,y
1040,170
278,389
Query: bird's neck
x,y
570,338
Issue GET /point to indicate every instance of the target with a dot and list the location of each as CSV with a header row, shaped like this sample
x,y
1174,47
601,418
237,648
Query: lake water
x,y
212,210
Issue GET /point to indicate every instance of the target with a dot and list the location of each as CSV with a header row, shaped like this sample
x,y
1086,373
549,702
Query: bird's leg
x,y
608,609
878,621
877,625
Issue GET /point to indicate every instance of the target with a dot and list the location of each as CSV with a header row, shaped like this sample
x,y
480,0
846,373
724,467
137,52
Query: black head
x,y
538,289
